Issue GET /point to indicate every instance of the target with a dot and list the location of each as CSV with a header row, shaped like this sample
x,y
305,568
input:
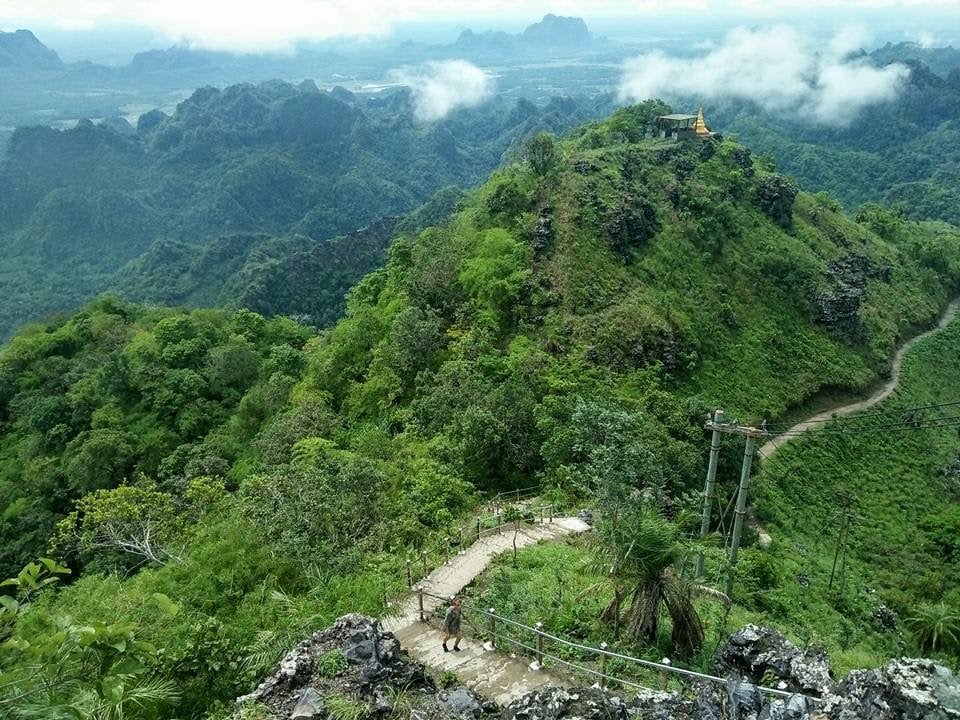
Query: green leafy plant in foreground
x,y
96,670
936,626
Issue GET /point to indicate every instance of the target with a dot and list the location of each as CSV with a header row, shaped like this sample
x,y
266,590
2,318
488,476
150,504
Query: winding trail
x,y
771,446
493,674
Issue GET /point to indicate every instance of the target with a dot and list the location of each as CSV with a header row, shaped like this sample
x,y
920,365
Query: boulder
x,y
462,702
755,651
375,664
309,706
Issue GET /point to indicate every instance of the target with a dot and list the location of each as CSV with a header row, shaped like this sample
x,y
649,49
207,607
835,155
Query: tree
x,y
513,514
639,555
541,152
133,519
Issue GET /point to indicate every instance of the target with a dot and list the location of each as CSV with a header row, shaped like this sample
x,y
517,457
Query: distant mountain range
x,y
552,32
234,182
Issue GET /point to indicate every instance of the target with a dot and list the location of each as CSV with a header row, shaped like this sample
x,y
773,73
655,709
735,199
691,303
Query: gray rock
x,y
309,706
796,707
553,703
543,230
461,702
744,699
755,651
375,663
838,304
904,689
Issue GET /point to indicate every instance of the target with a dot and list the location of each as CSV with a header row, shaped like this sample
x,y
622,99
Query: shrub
x,y
936,626
448,679
331,664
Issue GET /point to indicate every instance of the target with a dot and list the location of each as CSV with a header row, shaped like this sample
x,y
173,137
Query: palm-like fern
x,y
936,626
637,558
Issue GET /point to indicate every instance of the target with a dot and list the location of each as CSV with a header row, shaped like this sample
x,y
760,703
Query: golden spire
x,y
700,127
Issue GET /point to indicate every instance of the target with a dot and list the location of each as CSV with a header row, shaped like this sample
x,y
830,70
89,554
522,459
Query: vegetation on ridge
x,y
571,323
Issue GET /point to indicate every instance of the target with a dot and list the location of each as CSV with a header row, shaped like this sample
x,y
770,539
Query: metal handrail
x,y
442,546
649,664
519,494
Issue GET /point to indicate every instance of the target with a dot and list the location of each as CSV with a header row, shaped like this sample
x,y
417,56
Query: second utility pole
x,y
710,484
741,510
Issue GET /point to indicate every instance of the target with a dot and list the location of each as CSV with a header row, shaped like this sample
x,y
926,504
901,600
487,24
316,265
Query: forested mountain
x,y
570,324
903,151
290,162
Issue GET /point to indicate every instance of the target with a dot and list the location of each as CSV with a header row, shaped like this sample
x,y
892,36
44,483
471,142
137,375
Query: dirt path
x,y
500,676
771,446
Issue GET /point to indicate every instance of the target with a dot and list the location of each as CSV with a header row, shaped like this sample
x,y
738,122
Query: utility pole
x,y
740,511
708,489
751,433
847,501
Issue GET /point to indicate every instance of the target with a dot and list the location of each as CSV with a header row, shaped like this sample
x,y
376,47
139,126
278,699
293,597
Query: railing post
x,y
499,523
493,627
446,551
423,562
551,512
409,573
419,590
541,514
603,666
663,675
539,631
460,538
478,527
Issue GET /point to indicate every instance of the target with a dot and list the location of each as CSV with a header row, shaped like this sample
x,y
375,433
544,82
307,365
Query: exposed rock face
x,y
838,305
738,700
755,651
556,703
902,689
775,195
297,687
543,230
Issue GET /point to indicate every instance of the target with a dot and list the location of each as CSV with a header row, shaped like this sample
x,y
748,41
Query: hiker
x,y
451,625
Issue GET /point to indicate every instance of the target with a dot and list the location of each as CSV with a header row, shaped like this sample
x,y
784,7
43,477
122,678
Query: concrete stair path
x,y
496,675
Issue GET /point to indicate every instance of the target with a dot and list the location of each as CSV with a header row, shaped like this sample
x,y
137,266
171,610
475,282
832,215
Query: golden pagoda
x,y
700,126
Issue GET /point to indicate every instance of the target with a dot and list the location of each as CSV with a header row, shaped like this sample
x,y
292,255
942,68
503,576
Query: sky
x,y
256,26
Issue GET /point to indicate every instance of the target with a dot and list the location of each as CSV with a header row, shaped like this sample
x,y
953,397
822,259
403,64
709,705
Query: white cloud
x,y
255,25
779,68
439,87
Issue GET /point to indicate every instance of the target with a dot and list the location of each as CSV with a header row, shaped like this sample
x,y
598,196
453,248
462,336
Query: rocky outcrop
x,y
371,665
902,689
775,196
543,230
838,304
757,652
